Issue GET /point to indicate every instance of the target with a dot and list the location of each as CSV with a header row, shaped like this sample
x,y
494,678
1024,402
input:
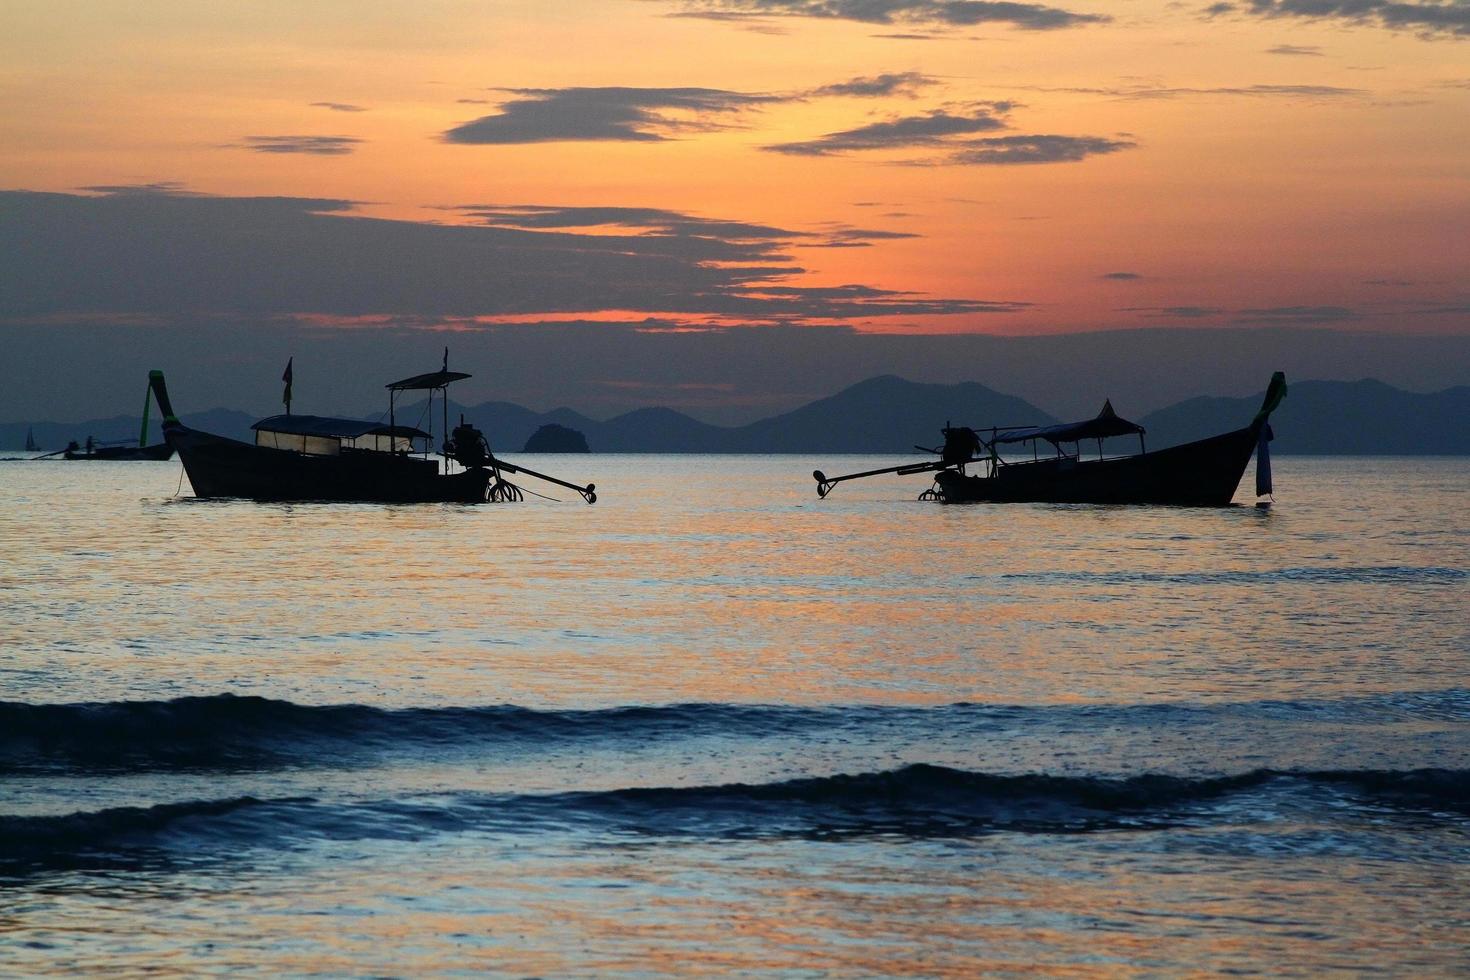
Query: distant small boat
x,y
122,450
112,452
31,446
1205,473
311,457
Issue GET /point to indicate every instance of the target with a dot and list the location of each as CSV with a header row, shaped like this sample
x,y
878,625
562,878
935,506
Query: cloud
x,y
1249,91
1008,150
645,115
754,23
340,106
166,254
650,223
1122,276
934,13
1297,315
875,86
1284,316
903,132
1428,18
316,145
1176,312
1300,50
1146,92
661,223
945,129
170,187
839,235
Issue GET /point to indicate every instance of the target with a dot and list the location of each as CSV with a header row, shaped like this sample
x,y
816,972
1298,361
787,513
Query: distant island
x,y
891,415
553,438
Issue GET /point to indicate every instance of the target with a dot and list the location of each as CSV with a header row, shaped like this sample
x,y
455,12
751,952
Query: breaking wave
x,y
226,732
918,801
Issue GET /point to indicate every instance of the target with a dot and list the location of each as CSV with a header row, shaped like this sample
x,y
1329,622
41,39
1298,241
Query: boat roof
x,y
1107,423
321,425
434,379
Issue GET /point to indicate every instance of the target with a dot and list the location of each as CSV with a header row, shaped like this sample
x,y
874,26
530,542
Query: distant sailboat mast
x,y
31,441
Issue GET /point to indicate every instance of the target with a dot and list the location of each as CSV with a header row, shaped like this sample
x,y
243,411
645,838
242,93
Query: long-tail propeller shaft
x,y
962,446
589,492
468,446
826,483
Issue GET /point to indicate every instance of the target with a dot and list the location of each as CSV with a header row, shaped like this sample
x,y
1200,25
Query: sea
x,y
715,725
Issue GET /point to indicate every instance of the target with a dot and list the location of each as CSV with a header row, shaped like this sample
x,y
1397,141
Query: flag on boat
x,y
1263,460
286,377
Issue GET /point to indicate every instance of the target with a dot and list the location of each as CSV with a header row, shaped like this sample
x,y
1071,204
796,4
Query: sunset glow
x,y
942,167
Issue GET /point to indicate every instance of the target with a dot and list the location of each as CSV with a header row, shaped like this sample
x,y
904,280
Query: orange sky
x,y
1242,169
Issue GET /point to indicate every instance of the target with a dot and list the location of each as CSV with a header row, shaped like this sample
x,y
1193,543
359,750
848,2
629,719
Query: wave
x,y
226,732
918,801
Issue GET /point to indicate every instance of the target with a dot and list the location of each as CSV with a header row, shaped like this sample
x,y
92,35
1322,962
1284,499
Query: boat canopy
x,y
320,425
434,379
1107,424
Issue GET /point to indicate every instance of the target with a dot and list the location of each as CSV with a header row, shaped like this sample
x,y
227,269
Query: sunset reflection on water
x,y
710,622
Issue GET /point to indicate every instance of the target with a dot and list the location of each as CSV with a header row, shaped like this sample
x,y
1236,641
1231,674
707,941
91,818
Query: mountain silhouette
x,y
1331,418
553,438
117,428
888,414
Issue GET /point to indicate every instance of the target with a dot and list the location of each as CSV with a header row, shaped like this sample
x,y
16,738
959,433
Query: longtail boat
x,y
312,457
117,452
1205,473
123,450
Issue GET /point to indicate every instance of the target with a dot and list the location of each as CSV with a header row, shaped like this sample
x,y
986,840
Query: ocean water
x,y
715,725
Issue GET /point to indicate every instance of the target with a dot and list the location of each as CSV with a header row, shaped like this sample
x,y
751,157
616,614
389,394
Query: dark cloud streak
x,y
1428,18
1259,91
904,132
310,145
1043,148
934,13
612,113
878,86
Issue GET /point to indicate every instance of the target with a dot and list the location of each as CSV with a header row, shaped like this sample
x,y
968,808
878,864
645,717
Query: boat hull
x,y
158,451
220,467
1197,474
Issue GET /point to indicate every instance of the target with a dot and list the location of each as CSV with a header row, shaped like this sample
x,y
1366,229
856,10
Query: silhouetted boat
x,y
122,450
310,457
1204,473
103,451
31,446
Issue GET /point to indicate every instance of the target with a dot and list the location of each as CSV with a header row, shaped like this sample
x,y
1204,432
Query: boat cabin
x,y
318,435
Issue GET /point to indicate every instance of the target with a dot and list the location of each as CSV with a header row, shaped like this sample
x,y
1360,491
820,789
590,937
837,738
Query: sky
x,y
729,206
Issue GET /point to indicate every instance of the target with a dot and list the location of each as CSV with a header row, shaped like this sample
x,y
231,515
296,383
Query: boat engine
x,y
961,445
467,446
